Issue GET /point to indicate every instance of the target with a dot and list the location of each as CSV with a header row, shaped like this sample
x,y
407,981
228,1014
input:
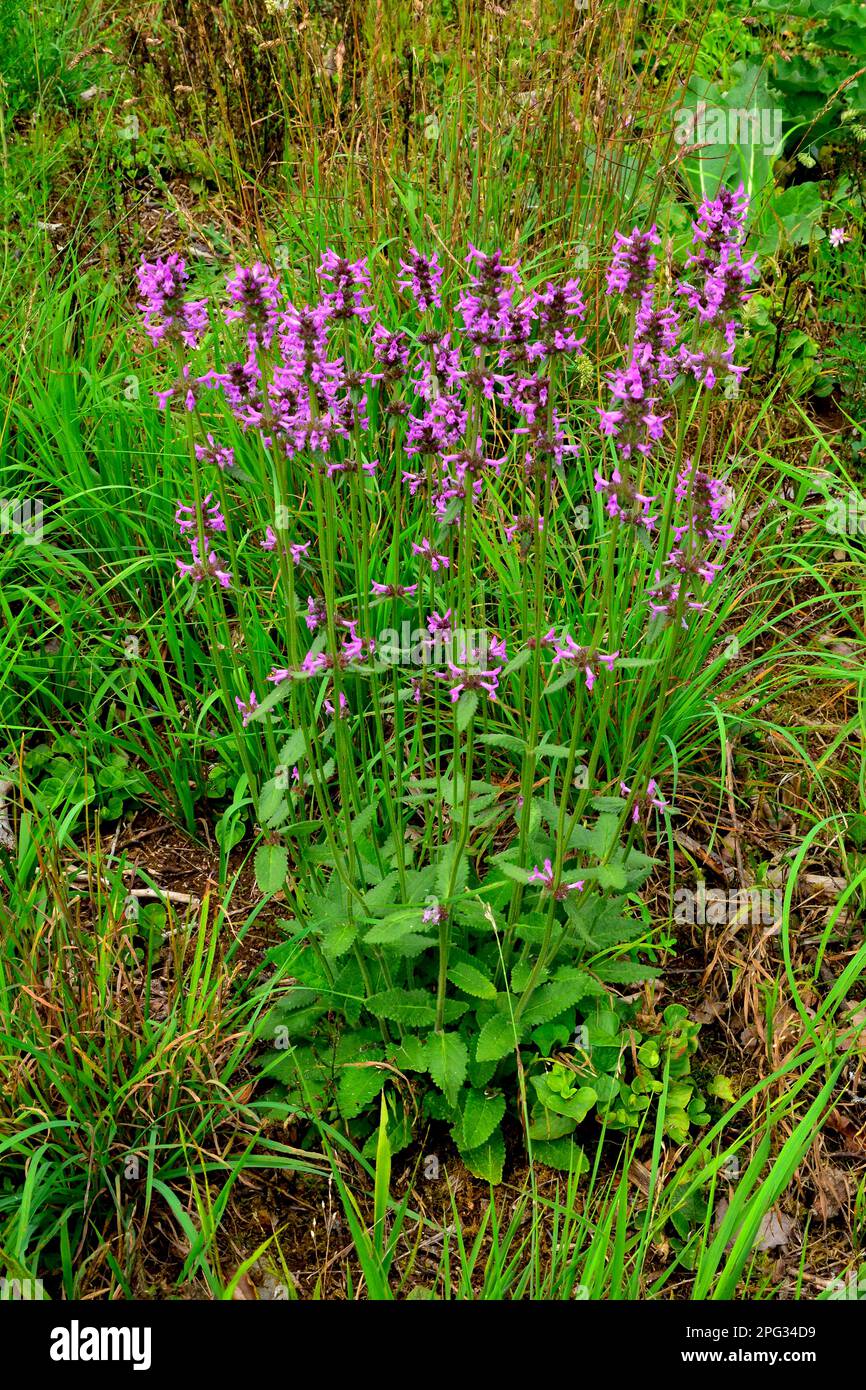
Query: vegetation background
x,y
143,1152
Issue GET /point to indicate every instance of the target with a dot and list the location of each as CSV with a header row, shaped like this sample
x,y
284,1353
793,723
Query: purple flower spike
x,y
351,280
651,801
470,678
633,264
221,457
421,276
167,315
198,570
255,301
437,562
213,520
545,876
246,707
587,658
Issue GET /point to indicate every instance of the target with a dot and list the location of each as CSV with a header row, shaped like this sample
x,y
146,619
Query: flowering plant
x,y
351,475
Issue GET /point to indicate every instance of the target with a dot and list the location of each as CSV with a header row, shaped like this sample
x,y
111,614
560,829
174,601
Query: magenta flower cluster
x,y
689,569
314,382
662,346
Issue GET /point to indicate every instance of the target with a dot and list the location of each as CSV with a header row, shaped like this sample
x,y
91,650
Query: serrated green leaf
x,y
272,862
625,972
357,1087
338,938
471,980
324,911
294,747
444,871
561,682
480,1116
383,894
466,707
447,1058
272,803
480,1073
555,997
556,750
280,692
410,946
392,928
413,1007
612,876
362,821
520,659
515,872
488,1160
496,1039
505,741
411,1055
521,973
562,1154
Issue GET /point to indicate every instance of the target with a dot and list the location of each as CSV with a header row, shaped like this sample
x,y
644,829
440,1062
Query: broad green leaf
x,y
230,830
447,1057
676,1124
411,1054
272,862
383,894
521,973
466,707
508,742
514,872
410,945
357,1087
470,979
562,1154
555,750
517,661
722,1089
445,869
280,692
496,1039
546,1125
612,876
480,1117
338,937
415,1008
557,996
575,1107
625,972
362,821
610,805
488,1160
273,806
294,747
392,928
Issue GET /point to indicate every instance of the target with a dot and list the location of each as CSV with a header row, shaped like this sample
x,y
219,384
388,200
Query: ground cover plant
x,y
432,800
